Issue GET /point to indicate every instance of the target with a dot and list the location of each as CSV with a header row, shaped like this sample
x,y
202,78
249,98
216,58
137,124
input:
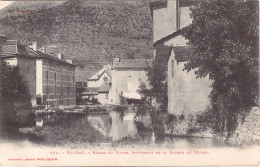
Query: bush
x,y
15,102
169,118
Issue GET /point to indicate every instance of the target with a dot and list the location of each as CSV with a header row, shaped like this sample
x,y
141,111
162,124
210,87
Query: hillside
x,y
90,32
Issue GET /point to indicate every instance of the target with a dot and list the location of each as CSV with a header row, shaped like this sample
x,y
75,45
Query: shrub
x,y
15,102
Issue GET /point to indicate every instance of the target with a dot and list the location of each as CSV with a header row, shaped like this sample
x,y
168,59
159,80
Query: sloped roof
x,y
132,63
104,87
182,53
23,50
106,69
167,38
81,75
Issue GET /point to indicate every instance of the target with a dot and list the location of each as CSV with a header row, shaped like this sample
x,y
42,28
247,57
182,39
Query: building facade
x,y
98,89
104,93
186,93
127,74
100,77
50,79
81,77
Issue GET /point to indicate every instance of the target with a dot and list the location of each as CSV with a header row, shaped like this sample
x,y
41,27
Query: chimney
x,y
68,61
117,60
60,55
33,45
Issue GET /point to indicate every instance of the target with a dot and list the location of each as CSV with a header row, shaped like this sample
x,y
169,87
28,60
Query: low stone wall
x,y
248,129
186,126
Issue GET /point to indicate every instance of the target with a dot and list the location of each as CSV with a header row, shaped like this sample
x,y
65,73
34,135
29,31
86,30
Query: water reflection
x,y
113,125
122,125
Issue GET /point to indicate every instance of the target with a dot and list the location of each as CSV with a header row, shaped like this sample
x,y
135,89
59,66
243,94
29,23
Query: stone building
x,y
126,77
51,80
186,93
99,86
100,77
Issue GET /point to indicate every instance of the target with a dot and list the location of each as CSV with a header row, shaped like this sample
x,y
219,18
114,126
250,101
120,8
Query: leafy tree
x,y
155,98
15,100
156,72
225,36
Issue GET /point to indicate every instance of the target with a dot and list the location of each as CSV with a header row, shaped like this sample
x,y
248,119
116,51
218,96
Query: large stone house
x,y
186,93
51,80
99,86
127,75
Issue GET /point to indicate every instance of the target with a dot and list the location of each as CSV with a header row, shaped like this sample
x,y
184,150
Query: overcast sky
x,y
5,3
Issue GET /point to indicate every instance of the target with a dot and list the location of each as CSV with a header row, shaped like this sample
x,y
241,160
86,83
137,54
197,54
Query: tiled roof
x,y
182,53
167,38
106,69
23,50
132,63
81,75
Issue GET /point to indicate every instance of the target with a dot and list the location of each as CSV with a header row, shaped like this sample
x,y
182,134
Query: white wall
x,y
103,98
38,77
98,83
121,82
11,61
164,21
186,93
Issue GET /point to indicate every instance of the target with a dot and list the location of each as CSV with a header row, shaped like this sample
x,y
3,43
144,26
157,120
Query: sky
x,y
5,3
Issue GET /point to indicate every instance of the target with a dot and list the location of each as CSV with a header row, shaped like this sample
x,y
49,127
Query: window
x,y
105,79
107,96
172,68
38,101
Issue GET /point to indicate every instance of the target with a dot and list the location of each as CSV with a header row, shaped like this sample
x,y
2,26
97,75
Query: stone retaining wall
x,y
248,129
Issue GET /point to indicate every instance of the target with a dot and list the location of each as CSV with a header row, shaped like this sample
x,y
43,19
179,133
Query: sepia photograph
x,y
129,83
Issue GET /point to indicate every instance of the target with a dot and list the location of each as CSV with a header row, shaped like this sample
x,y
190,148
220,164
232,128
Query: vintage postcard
x,y
129,83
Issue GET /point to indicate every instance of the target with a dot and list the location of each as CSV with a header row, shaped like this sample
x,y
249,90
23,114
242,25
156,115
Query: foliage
x,y
225,37
15,103
154,94
156,91
122,99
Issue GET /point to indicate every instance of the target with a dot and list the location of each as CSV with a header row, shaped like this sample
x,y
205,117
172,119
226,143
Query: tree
x,y
157,79
225,37
155,98
15,102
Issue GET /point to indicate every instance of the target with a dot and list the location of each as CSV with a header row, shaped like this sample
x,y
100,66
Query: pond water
x,y
115,125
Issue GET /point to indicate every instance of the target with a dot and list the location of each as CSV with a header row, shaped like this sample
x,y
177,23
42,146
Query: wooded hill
x,y
90,32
